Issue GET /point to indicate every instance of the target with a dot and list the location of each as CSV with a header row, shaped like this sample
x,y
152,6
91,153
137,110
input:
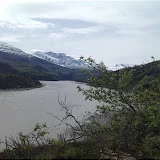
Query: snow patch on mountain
x,y
4,47
60,59
119,66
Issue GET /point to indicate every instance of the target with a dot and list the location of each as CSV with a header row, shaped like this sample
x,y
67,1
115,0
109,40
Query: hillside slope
x,y
150,70
10,78
37,68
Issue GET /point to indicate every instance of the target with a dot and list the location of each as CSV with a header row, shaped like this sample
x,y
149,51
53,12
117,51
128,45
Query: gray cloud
x,y
70,23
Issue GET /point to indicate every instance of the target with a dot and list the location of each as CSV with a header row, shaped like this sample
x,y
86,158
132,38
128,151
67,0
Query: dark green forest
x,y
10,78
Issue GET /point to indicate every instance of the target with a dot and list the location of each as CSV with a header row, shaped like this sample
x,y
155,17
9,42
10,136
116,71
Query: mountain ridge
x,y
36,68
60,59
7,48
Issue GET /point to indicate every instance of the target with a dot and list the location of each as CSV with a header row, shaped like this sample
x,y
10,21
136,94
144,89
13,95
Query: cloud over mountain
x,y
118,32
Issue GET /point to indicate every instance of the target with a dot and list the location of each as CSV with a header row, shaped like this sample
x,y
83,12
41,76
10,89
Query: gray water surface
x,y
21,110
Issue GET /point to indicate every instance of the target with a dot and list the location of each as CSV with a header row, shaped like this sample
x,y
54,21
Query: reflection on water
x,y
21,110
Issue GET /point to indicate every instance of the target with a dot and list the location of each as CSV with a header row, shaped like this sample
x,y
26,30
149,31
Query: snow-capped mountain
x,y
119,66
60,59
4,47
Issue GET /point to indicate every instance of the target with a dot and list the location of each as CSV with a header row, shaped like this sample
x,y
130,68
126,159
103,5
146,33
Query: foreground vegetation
x,y
125,124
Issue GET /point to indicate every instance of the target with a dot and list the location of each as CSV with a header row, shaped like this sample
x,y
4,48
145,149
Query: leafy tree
x,y
127,120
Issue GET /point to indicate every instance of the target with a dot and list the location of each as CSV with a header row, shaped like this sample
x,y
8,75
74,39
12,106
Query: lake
x,y
21,110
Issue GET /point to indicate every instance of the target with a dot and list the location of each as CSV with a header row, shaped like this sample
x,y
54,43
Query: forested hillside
x,y
39,69
150,70
10,78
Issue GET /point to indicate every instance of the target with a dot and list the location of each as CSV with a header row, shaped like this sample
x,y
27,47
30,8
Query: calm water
x,y
21,110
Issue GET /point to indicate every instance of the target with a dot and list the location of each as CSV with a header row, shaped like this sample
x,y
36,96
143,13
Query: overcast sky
x,y
112,31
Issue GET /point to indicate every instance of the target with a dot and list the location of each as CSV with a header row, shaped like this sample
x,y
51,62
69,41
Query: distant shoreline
x,y
35,87
22,89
